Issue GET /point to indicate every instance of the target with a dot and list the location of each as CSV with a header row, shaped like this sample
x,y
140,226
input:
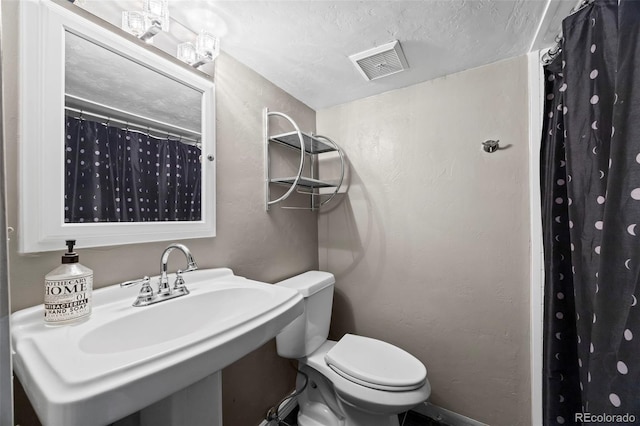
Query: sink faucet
x,y
147,296
163,285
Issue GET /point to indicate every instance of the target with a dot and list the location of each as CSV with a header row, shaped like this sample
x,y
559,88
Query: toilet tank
x,y
310,330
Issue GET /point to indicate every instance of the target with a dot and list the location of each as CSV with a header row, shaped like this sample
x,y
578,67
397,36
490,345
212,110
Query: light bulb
x,y
158,9
187,53
134,23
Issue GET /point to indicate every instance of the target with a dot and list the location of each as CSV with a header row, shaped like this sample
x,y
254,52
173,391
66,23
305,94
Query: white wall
x,y
430,247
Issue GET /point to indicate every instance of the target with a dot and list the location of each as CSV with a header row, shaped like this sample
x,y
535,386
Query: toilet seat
x,y
376,364
365,398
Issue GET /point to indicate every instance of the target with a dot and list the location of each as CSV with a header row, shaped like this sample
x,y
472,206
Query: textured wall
x,y
255,244
431,246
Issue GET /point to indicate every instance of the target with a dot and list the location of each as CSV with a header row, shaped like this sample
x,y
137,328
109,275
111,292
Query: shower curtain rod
x,y
136,127
554,50
112,114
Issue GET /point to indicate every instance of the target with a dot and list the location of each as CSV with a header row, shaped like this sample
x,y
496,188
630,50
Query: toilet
x,y
356,381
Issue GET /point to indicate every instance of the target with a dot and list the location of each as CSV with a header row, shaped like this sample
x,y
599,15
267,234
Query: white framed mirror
x,y
117,139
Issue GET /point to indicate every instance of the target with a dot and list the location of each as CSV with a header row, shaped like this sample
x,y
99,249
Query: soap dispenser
x,y
67,291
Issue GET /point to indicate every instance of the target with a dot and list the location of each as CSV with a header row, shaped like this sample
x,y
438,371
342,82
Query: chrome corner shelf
x,y
312,145
309,146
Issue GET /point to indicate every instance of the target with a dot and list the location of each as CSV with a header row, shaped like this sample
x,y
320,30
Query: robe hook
x,y
491,145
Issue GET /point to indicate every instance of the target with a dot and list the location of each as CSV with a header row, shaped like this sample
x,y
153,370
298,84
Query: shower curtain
x,y
590,186
120,175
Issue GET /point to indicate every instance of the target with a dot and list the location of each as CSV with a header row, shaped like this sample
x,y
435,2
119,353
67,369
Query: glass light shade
x,y
134,23
187,53
154,7
207,46
158,9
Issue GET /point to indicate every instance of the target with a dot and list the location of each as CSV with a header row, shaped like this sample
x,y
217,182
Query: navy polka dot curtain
x,y
118,175
590,171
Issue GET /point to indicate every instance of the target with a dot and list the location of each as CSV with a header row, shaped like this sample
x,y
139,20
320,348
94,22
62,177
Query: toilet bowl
x,y
356,381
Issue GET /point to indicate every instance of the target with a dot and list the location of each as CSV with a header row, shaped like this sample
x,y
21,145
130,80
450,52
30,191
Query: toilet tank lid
x,y
309,282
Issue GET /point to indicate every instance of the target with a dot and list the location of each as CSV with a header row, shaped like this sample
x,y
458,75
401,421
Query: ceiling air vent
x,y
380,61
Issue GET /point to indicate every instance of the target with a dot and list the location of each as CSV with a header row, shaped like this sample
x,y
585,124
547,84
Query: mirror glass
x,y
131,154
117,138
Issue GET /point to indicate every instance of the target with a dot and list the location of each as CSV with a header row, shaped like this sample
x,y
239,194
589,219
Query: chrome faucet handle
x,y
142,281
178,285
179,280
146,292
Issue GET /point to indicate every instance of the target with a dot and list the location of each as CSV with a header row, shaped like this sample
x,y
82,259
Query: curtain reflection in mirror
x,y
122,175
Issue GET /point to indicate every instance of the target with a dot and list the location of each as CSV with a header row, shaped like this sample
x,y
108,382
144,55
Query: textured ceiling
x,y
303,46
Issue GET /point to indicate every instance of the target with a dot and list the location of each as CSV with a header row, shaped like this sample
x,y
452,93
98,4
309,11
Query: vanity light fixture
x,y
150,21
206,49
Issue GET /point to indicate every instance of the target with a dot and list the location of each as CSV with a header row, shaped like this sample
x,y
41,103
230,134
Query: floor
x,y
415,419
412,419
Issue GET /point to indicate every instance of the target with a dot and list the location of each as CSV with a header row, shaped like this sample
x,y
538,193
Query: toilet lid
x,y
376,364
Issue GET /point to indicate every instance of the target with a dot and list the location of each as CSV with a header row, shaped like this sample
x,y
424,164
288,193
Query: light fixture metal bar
x,y
154,28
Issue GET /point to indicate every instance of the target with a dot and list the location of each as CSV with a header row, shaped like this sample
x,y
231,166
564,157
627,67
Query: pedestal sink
x,y
126,358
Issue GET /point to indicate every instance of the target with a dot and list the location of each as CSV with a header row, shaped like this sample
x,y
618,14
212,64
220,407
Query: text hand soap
x,y
67,291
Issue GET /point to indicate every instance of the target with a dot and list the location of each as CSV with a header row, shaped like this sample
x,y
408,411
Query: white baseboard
x,y
443,415
426,409
284,410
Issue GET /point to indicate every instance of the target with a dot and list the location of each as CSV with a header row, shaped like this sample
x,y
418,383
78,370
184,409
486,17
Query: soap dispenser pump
x,y
67,290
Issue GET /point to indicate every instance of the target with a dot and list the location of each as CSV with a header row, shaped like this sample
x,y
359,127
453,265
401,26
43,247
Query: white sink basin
x,y
209,313
125,358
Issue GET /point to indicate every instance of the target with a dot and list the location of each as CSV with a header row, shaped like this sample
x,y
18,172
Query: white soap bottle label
x,y
67,299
